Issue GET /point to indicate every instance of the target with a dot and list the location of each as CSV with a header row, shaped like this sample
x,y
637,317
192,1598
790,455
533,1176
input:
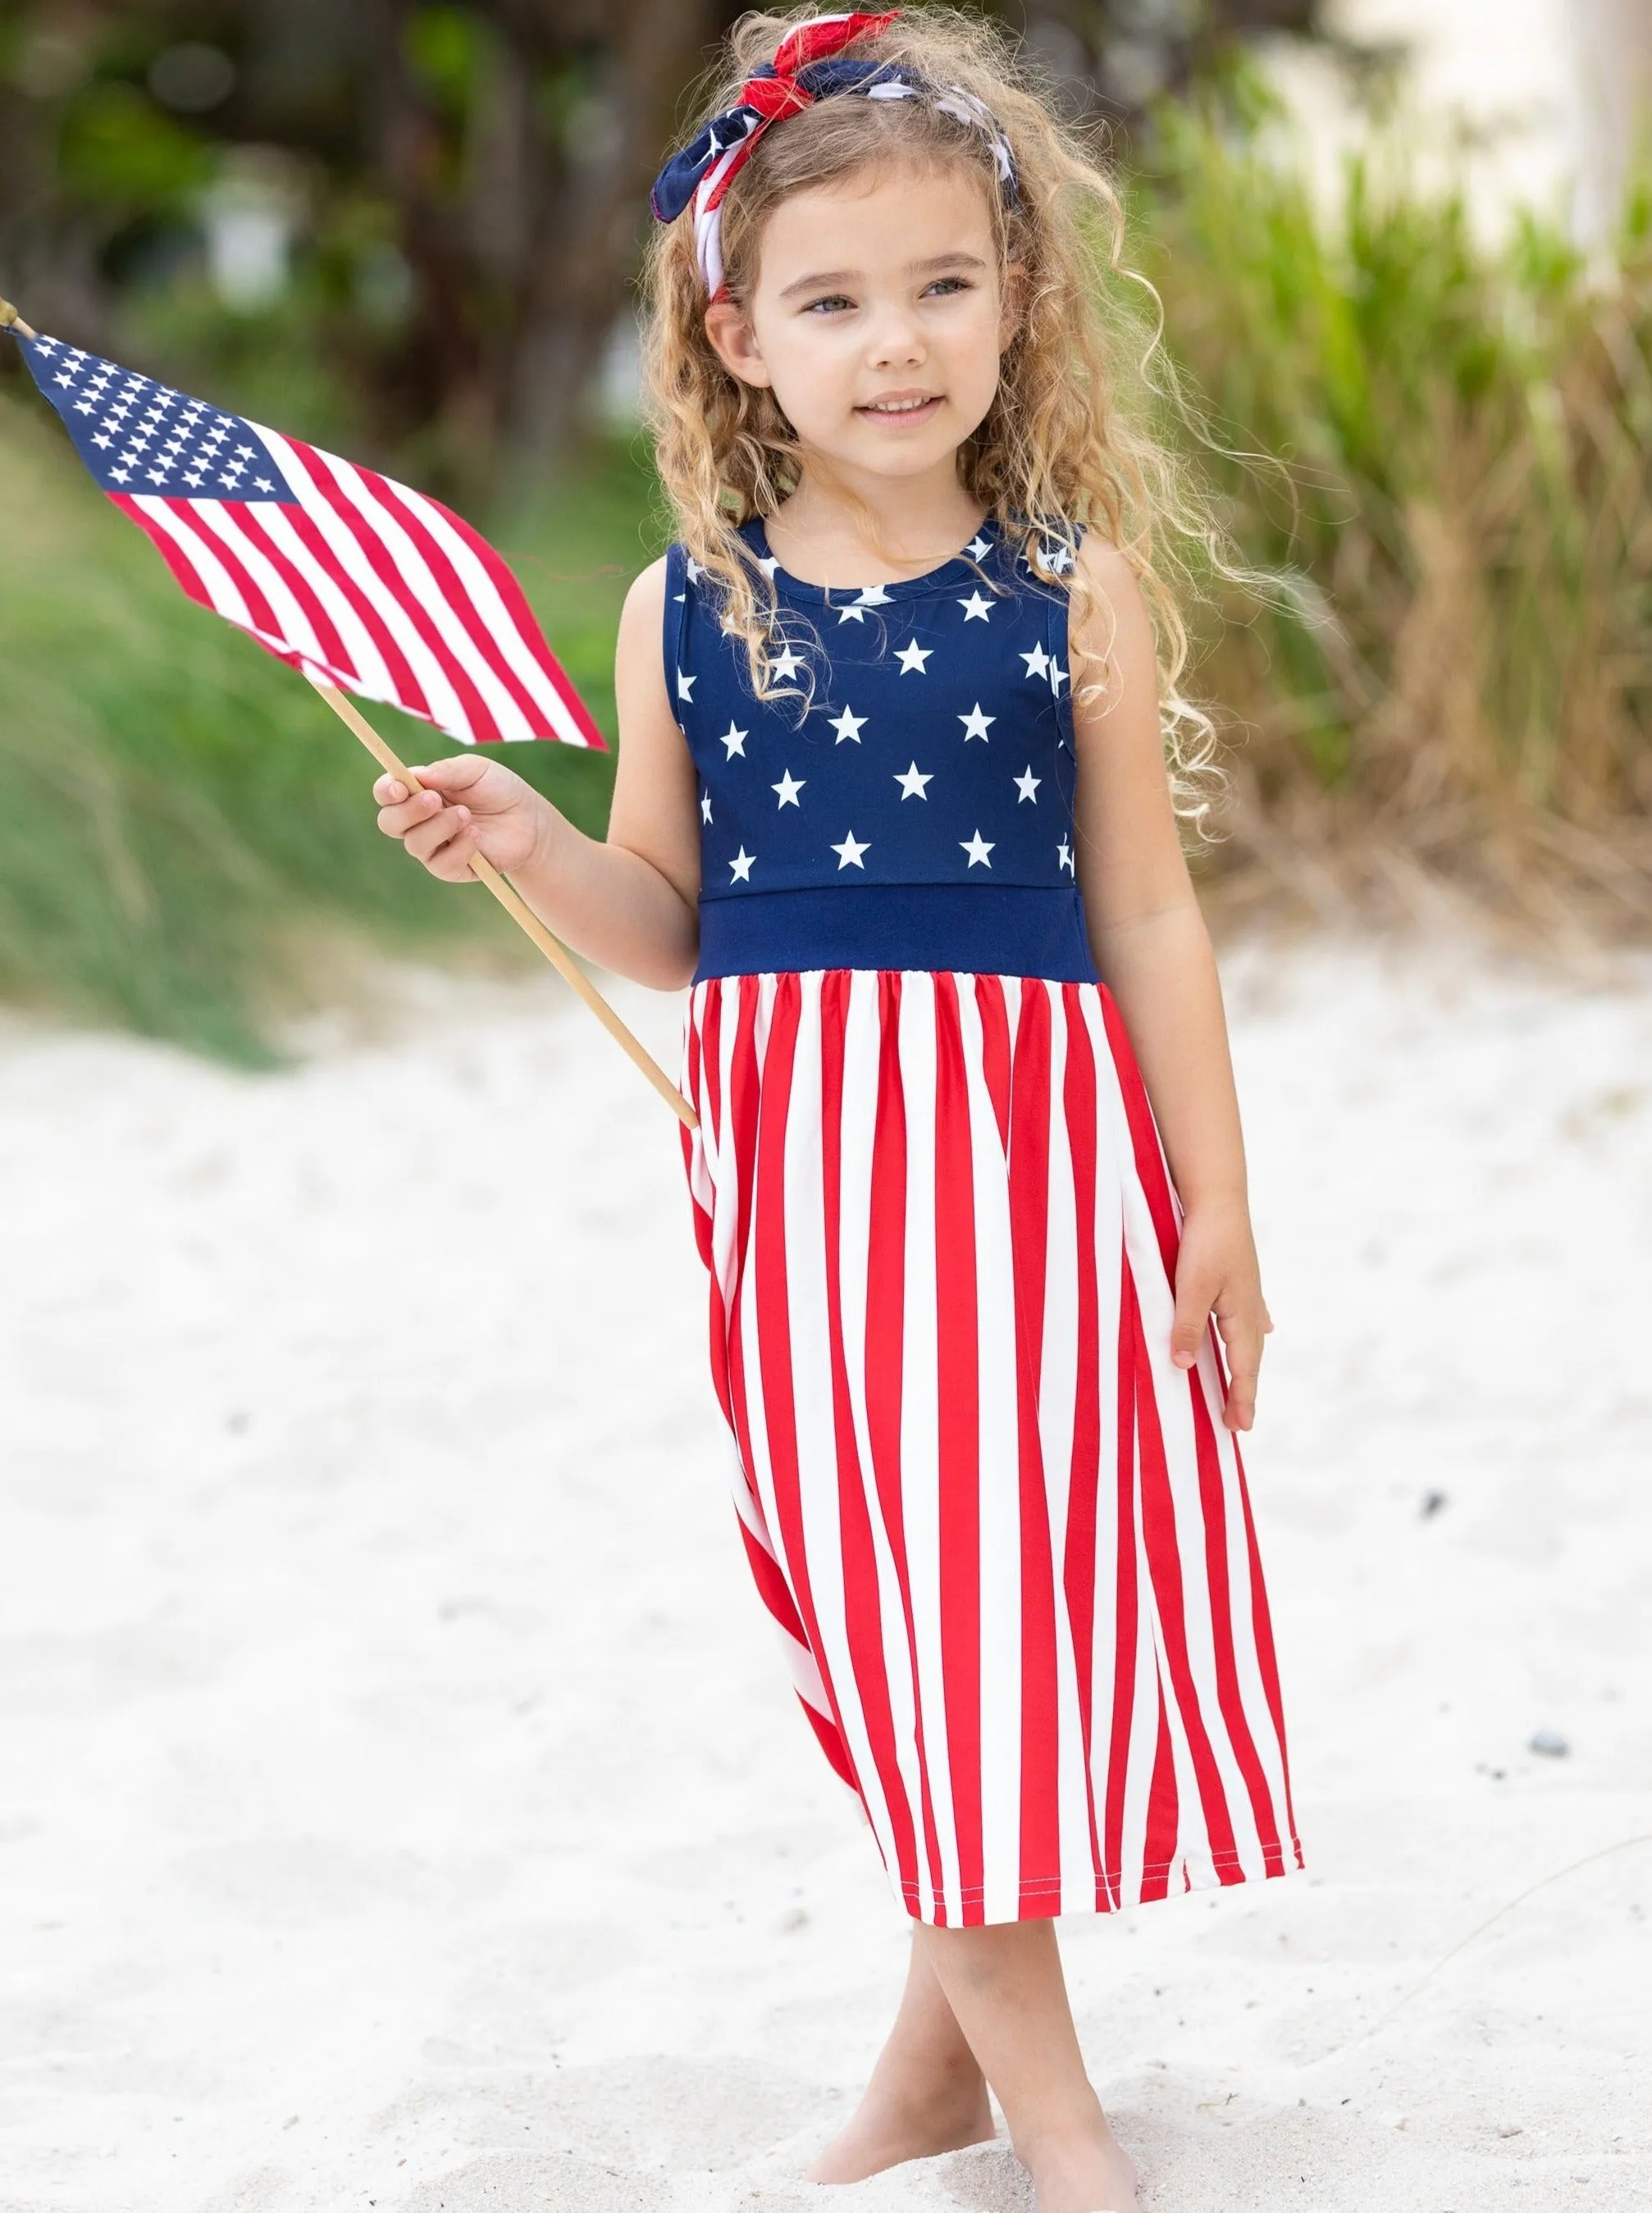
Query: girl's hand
x,y
473,805
1216,1271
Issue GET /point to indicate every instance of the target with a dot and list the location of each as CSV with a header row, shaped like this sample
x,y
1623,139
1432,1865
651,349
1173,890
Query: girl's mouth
x,y
918,407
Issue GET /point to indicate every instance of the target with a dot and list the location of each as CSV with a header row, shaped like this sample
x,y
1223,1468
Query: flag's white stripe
x,y
444,704
495,617
376,680
421,586
220,586
225,525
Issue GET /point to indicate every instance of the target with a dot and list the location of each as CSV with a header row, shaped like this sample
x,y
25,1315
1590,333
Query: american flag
x,y
344,573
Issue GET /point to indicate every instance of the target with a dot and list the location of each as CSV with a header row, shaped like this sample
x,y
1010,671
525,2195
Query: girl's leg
x,y
927,2094
1008,1995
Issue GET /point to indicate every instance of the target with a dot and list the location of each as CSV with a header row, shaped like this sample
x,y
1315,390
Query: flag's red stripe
x,y
1144,1137
1126,1628
958,1365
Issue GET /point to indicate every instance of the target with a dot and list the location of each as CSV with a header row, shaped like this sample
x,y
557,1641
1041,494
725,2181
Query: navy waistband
x,y
992,930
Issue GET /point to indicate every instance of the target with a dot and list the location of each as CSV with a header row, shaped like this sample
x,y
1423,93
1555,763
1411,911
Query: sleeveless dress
x,y
1007,1543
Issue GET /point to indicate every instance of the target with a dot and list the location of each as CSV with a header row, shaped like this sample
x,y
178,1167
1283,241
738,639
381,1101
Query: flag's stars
x,y
244,452
685,685
1027,784
227,421
156,475
1064,857
705,807
120,476
848,725
1057,678
788,787
741,865
99,439
975,722
785,664
976,607
977,848
228,480
194,476
849,853
736,741
913,780
1037,662
63,380
978,547
84,407
912,656
264,484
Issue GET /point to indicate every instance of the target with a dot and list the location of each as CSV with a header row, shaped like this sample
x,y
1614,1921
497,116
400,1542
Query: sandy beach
x,y
402,1802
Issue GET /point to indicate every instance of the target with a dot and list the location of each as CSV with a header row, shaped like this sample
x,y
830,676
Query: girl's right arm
x,y
630,902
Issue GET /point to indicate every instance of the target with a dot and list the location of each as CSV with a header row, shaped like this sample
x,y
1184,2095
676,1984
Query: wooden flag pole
x,y
520,913
11,321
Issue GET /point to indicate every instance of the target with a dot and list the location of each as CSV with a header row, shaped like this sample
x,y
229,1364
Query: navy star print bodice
x,y
918,811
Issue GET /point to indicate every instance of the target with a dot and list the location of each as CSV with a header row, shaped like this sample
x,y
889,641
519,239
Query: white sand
x,y
401,1800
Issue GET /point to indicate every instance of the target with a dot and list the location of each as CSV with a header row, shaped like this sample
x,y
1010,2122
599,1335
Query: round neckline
x,y
953,569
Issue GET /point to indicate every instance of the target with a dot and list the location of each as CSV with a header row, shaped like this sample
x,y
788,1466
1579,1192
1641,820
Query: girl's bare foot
x,y
1082,2169
927,2094
885,2129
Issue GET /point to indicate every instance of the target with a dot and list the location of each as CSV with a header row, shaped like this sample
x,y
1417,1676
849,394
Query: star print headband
x,y
809,65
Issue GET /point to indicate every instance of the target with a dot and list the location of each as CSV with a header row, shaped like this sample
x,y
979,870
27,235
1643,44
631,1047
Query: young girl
x,y
893,802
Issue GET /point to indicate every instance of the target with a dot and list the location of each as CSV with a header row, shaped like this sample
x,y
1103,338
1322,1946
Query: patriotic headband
x,y
809,64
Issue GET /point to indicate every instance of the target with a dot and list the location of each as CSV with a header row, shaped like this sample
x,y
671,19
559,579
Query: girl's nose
x,y
896,343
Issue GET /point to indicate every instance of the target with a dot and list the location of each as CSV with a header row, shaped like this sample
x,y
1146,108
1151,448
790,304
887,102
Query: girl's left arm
x,y
1154,951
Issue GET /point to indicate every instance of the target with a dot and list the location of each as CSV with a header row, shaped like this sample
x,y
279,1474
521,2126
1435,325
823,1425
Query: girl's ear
x,y
734,343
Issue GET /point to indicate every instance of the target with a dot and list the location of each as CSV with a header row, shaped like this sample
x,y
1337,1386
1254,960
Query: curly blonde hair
x,y
1069,444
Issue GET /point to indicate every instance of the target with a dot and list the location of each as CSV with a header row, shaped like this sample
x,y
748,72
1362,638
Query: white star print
x,y
977,848
913,781
1057,559
975,722
100,440
849,724
193,478
735,741
789,788
978,547
264,484
912,656
1037,662
785,665
1057,678
1065,854
692,569
769,563
84,407
685,685
1026,784
741,865
705,807
871,595
849,853
976,608
120,476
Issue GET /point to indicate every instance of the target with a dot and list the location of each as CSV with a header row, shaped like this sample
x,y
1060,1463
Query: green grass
x,y
185,821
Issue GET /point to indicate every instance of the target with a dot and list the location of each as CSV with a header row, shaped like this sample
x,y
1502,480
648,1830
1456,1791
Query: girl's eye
x,y
831,300
949,285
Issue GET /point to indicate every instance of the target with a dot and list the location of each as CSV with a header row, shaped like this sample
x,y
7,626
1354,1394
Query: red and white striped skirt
x,y
1007,1543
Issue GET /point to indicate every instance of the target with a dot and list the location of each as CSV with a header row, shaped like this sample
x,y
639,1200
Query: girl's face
x,y
877,318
